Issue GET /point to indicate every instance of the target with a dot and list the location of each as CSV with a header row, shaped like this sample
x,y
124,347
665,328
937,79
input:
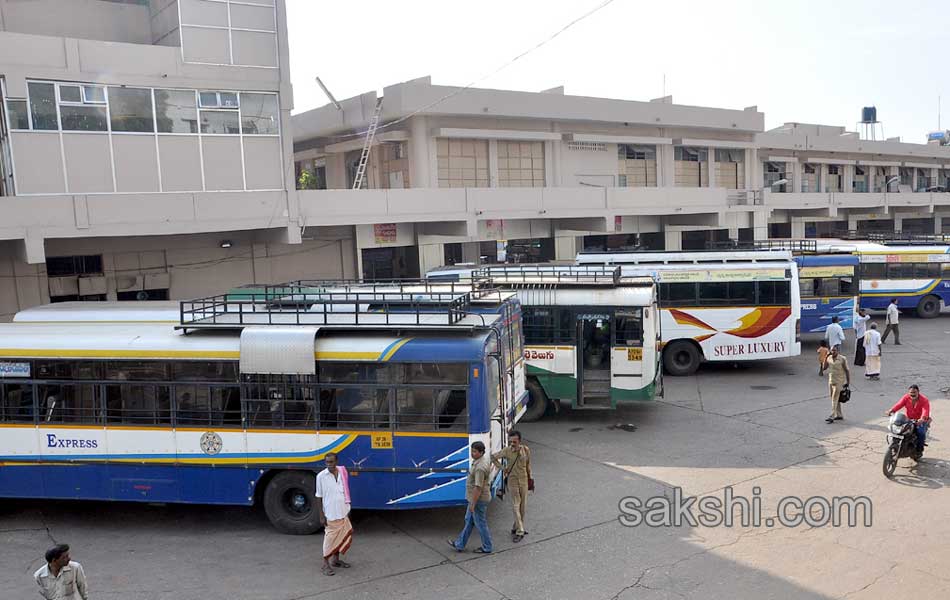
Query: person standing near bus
x,y
860,328
891,323
478,494
517,475
872,346
61,578
839,377
333,502
834,333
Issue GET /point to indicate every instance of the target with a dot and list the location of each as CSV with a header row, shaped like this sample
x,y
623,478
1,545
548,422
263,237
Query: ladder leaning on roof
x,y
367,146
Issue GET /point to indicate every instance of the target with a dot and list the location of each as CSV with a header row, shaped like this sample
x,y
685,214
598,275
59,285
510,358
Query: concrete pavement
x,y
750,426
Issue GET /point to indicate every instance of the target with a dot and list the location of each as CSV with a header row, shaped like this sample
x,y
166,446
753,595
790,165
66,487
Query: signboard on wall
x,y
384,233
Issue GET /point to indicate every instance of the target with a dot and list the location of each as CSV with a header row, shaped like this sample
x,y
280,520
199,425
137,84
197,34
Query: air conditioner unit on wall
x,y
128,283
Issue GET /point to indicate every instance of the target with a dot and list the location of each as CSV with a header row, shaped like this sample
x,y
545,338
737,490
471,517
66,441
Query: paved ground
x,y
749,426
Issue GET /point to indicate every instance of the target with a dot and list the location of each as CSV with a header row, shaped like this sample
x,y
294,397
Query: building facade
x,y
492,175
145,152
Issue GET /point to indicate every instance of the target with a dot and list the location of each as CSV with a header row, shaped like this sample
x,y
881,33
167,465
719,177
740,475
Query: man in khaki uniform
x,y
839,377
517,471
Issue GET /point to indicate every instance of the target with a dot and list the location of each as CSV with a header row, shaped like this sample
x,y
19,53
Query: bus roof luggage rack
x,y
794,246
546,275
285,306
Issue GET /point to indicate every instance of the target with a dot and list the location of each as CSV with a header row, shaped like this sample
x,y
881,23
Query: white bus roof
x,y
587,258
825,246
143,341
101,312
603,296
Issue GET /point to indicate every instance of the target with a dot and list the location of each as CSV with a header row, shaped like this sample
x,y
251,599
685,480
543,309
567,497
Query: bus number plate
x,y
634,353
382,440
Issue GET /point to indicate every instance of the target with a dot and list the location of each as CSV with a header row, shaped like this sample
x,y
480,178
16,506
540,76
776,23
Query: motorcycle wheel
x,y
890,461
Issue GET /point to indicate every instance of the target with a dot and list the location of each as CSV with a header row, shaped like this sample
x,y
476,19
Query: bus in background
x,y
918,276
829,288
239,401
719,306
591,335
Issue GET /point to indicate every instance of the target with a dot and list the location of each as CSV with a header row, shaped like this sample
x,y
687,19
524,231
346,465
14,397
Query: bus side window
x,y
829,287
846,286
806,287
677,294
16,403
628,327
774,293
873,271
69,403
138,404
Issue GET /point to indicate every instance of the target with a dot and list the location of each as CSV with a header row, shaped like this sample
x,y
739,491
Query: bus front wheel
x,y
681,358
928,307
290,505
537,402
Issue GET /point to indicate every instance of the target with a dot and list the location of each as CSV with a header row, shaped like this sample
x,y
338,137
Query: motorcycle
x,y
901,442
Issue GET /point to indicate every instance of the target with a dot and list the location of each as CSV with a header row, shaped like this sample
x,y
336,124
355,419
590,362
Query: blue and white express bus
x,y
103,402
829,288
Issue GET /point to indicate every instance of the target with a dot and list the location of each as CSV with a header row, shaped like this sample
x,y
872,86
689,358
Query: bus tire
x,y
681,358
928,307
290,504
537,402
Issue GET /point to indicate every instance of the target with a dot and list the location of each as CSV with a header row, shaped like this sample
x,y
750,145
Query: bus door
x,y
593,359
630,365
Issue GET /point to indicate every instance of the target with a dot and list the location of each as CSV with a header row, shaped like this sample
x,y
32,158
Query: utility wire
x,y
465,88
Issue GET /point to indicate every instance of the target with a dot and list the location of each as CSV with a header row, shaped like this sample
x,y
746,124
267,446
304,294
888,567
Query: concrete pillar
x,y
753,180
938,224
793,170
471,252
733,233
913,181
711,165
336,171
673,239
852,223
934,174
420,174
898,223
847,184
430,257
798,229
550,168
493,163
760,225
664,165
566,247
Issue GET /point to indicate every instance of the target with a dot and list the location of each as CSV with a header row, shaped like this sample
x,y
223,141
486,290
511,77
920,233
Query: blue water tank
x,y
869,114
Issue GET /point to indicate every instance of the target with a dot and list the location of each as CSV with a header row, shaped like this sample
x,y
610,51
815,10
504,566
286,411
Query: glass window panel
x,y
228,99
219,121
68,403
829,287
806,287
873,270
846,286
208,99
16,402
83,118
355,372
629,327
137,370
201,370
176,111
677,294
355,408
713,292
18,114
774,293
259,114
130,109
138,404
93,94
67,369
70,93
742,293
43,106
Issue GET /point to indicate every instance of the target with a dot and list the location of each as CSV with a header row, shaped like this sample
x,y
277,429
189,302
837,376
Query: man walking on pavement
x,y
891,323
834,333
478,494
860,328
517,477
333,504
61,578
839,377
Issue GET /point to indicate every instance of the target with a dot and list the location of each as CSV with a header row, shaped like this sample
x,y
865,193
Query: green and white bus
x,y
591,335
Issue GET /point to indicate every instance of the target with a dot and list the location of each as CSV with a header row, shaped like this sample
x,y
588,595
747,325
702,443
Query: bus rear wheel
x,y
537,402
928,307
681,358
290,505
